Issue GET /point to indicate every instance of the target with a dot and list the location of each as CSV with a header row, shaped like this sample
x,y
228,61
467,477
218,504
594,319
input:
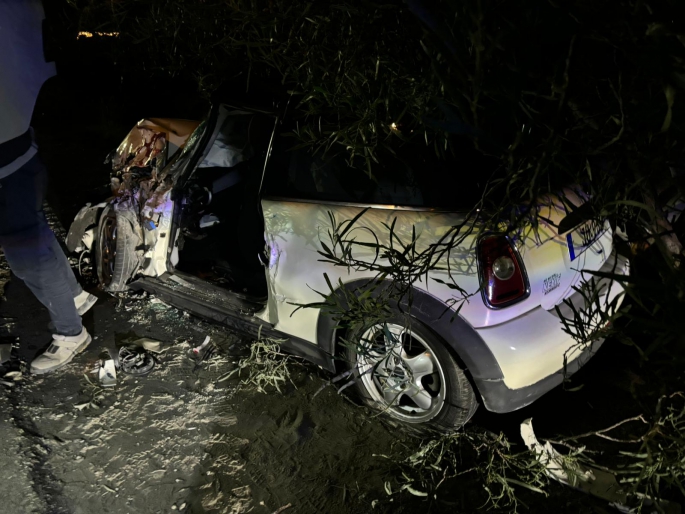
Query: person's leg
x,y
33,253
65,268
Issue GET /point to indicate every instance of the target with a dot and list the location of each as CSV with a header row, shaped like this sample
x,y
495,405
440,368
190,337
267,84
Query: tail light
x,y
503,277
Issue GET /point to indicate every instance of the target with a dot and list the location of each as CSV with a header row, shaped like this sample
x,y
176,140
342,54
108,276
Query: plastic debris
x,y
205,351
107,374
587,479
199,349
151,345
282,509
10,364
592,481
135,360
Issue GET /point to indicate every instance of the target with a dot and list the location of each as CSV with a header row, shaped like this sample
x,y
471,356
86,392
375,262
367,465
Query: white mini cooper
x,y
223,219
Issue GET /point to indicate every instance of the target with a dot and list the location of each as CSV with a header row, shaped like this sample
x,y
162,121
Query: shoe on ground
x,y
60,353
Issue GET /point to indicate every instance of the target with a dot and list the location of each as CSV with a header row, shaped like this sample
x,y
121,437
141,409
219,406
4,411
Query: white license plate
x,y
583,237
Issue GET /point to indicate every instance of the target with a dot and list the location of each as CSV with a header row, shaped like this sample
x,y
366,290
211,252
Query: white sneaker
x,y
84,302
60,353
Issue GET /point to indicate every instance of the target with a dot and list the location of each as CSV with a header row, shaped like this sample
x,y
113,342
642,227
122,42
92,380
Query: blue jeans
x,y
31,249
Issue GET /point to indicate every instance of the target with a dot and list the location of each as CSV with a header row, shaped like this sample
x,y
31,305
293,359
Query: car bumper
x,y
534,352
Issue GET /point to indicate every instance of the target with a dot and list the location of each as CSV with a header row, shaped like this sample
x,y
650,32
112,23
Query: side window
x,y
414,176
300,175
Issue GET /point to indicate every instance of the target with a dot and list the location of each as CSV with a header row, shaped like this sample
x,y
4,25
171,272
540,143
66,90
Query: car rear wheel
x,y
406,371
115,251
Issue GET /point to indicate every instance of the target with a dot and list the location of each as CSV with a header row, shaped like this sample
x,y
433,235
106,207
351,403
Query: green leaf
x,y
523,484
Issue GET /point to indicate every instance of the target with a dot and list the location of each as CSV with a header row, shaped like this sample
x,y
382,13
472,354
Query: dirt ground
x,y
176,439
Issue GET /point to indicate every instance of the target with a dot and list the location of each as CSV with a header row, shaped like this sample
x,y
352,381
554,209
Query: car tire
x,y
399,385
115,252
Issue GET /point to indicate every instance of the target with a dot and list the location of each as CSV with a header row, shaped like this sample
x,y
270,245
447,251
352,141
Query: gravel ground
x,y
180,439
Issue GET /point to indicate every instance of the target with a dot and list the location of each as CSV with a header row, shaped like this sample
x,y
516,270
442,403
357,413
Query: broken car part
x,y
107,373
151,345
589,479
134,360
199,349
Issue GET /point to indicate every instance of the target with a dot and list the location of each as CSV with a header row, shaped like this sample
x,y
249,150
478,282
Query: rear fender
x,y
86,220
464,341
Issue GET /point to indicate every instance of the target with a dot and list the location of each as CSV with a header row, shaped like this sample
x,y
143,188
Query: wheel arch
x,y
480,364
88,217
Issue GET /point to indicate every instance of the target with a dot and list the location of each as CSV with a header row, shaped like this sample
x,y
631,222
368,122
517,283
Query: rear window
x,y
414,177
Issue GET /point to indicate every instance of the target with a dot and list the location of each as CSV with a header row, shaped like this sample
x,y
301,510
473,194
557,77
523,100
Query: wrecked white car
x,y
220,219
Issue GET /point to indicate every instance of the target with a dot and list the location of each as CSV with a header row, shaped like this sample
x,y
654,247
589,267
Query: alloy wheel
x,y
401,373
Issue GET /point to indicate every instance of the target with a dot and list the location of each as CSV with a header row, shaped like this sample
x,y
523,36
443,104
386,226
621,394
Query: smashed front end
x,y
146,166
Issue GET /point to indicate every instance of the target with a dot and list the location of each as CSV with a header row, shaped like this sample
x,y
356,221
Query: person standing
x,y
30,247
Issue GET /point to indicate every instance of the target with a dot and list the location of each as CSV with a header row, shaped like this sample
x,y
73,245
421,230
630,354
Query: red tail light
x,y
503,277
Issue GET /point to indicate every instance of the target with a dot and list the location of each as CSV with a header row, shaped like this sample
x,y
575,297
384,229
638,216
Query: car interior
x,y
221,225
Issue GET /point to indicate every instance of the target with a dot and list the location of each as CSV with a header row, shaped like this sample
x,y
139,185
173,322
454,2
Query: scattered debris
x,y
337,379
107,374
208,220
11,365
588,479
199,349
180,281
151,345
14,375
132,357
593,481
283,508
206,351
135,360
158,305
6,322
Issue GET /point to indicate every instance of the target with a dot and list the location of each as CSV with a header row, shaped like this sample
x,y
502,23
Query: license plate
x,y
583,238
